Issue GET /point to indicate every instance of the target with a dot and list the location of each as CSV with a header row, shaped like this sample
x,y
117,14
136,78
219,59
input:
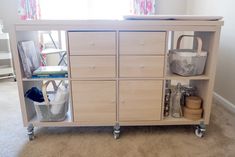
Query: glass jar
x,y
176,110
187,91
167,102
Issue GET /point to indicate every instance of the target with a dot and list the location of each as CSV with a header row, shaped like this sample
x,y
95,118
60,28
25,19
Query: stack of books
x,y
50,72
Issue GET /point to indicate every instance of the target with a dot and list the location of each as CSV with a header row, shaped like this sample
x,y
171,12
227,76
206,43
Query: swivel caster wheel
x,y
30,130
31,137
200,131
116,134
116,131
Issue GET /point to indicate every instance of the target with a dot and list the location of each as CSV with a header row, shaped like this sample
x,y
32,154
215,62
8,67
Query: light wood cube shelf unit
x,y
118,70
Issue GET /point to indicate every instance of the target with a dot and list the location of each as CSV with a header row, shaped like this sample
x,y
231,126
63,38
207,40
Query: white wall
x,y
8,13
225,76
8,10
171,6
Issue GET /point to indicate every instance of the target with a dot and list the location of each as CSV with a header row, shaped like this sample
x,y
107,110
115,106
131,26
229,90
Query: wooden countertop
x,y
175,25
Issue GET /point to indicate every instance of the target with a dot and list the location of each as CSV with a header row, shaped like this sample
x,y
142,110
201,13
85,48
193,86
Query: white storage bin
x,y
187,62
57,108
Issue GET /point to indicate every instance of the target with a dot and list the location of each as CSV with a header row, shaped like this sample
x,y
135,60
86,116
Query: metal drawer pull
x,y
142,43
93,67
92,43
142,66
122,101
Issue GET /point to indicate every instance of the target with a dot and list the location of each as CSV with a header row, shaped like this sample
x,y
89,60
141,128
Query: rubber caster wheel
x,y
31,137
30,133
116,135
200,131
116,131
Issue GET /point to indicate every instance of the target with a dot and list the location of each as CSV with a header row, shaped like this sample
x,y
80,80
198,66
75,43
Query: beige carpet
x,y
164,141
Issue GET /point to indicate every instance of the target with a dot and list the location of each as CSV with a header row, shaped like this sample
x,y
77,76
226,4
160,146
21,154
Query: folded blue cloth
x,y
34,94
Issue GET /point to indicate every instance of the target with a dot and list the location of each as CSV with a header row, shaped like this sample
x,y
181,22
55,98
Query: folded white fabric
x,y
61,97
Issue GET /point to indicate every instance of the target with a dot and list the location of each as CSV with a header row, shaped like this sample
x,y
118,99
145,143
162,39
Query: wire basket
x,y
52,110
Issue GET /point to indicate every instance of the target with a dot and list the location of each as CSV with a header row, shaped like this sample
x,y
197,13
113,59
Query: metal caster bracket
x,y
116,131
30,132
200,130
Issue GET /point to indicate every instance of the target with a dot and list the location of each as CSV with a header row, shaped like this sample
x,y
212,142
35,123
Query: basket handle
x,y
199,42
44,90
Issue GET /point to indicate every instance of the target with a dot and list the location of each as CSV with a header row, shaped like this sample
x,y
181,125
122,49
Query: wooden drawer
x,y
140,100
141,66
94,101
92,43
92,66
142,42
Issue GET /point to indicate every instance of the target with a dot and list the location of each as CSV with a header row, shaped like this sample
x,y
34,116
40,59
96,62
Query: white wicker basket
x,y
187,62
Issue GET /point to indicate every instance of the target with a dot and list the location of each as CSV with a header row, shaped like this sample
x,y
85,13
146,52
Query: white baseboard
x,y
224,102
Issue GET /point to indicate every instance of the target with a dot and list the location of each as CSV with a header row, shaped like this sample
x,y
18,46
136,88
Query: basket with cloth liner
x,y
56,108
188,62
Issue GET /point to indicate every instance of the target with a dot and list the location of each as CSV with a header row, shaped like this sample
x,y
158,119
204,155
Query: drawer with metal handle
x,y
143,43
141,66
92,66
92,43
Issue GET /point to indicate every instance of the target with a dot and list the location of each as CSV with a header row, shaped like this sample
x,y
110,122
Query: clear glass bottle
x,y
176,110
167,102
